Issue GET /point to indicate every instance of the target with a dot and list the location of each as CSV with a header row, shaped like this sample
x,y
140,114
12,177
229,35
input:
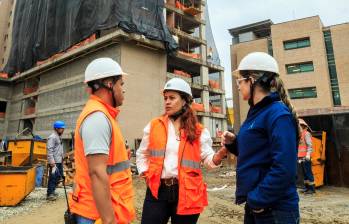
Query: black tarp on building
x,y
43,28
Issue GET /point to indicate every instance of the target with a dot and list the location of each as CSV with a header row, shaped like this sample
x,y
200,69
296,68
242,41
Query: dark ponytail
x,y
280,88
271,82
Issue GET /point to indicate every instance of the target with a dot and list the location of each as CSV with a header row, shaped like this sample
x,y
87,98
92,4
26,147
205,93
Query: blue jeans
x,y
83,220
54,178
307,172
271,216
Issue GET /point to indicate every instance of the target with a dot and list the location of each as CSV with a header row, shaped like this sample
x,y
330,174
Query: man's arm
x,y
50,145
97,167
308,142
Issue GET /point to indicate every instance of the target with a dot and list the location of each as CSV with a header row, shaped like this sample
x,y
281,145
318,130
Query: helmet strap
x,y
100,84
264,81
179,113
252,86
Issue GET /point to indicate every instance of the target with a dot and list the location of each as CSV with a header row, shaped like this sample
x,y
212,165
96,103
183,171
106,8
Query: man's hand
x,y
307,157
128,153
228,138
144,176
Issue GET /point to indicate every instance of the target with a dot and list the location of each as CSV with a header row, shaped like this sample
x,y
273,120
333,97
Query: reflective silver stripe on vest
x,y
190,163
117,167
157,153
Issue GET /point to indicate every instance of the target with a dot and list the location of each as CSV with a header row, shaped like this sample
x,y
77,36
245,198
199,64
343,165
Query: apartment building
x,y
54,89
314,65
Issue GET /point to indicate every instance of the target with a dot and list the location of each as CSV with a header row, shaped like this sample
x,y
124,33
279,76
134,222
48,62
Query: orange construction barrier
x,y
188,10
28,90
181,73
213,84
29,110
3,75
192,11
216,109
78,45
198,107
191,55
180,6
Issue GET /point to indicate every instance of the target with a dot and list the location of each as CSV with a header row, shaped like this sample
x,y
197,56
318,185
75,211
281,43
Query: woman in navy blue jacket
x,y
266,145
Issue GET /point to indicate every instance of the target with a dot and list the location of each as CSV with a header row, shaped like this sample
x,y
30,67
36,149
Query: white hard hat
x,y
178,84
101,68
302,122
259,61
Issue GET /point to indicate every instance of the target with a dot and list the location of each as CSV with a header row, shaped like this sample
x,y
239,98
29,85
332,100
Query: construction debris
x,y
329,204
217,188
69,167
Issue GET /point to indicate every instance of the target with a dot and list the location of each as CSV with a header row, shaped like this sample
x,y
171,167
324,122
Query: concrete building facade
x,y
314,65
6,12
55,90
301,48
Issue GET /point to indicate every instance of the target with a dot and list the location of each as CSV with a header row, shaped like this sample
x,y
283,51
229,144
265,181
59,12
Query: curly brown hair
x,y
189,120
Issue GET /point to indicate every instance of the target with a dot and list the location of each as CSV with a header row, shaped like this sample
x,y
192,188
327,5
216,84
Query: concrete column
x,y
205,96
206,121
202,31
225,125
8,111
221,80
204,75
223,103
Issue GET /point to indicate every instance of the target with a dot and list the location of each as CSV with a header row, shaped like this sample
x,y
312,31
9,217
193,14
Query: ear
x,y
110,84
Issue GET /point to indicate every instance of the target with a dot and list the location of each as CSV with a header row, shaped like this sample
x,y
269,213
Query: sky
x,y
227,14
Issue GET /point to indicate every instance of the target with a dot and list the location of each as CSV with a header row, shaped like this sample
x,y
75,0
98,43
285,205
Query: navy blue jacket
x,y
266,150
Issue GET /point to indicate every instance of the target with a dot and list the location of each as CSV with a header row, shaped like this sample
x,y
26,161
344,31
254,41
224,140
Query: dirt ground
x,y
328,205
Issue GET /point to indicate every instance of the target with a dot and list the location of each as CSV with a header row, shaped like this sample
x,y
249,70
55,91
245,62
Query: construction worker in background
x,y
102,187
169,157
54,148
304,157
266,145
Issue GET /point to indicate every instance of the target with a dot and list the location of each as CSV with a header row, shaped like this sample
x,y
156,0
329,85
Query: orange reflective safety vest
x,y
302,147
118,168
192,196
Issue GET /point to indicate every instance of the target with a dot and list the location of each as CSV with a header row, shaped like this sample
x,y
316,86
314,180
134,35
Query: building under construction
x,y
314,65
42,79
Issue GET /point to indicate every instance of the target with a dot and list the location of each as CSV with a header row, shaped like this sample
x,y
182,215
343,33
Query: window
x,y
2,109
301,93
270,46
332,68
302,67
294,44
3,106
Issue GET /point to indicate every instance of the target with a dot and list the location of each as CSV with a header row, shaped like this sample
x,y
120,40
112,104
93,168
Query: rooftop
x,y
260,29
